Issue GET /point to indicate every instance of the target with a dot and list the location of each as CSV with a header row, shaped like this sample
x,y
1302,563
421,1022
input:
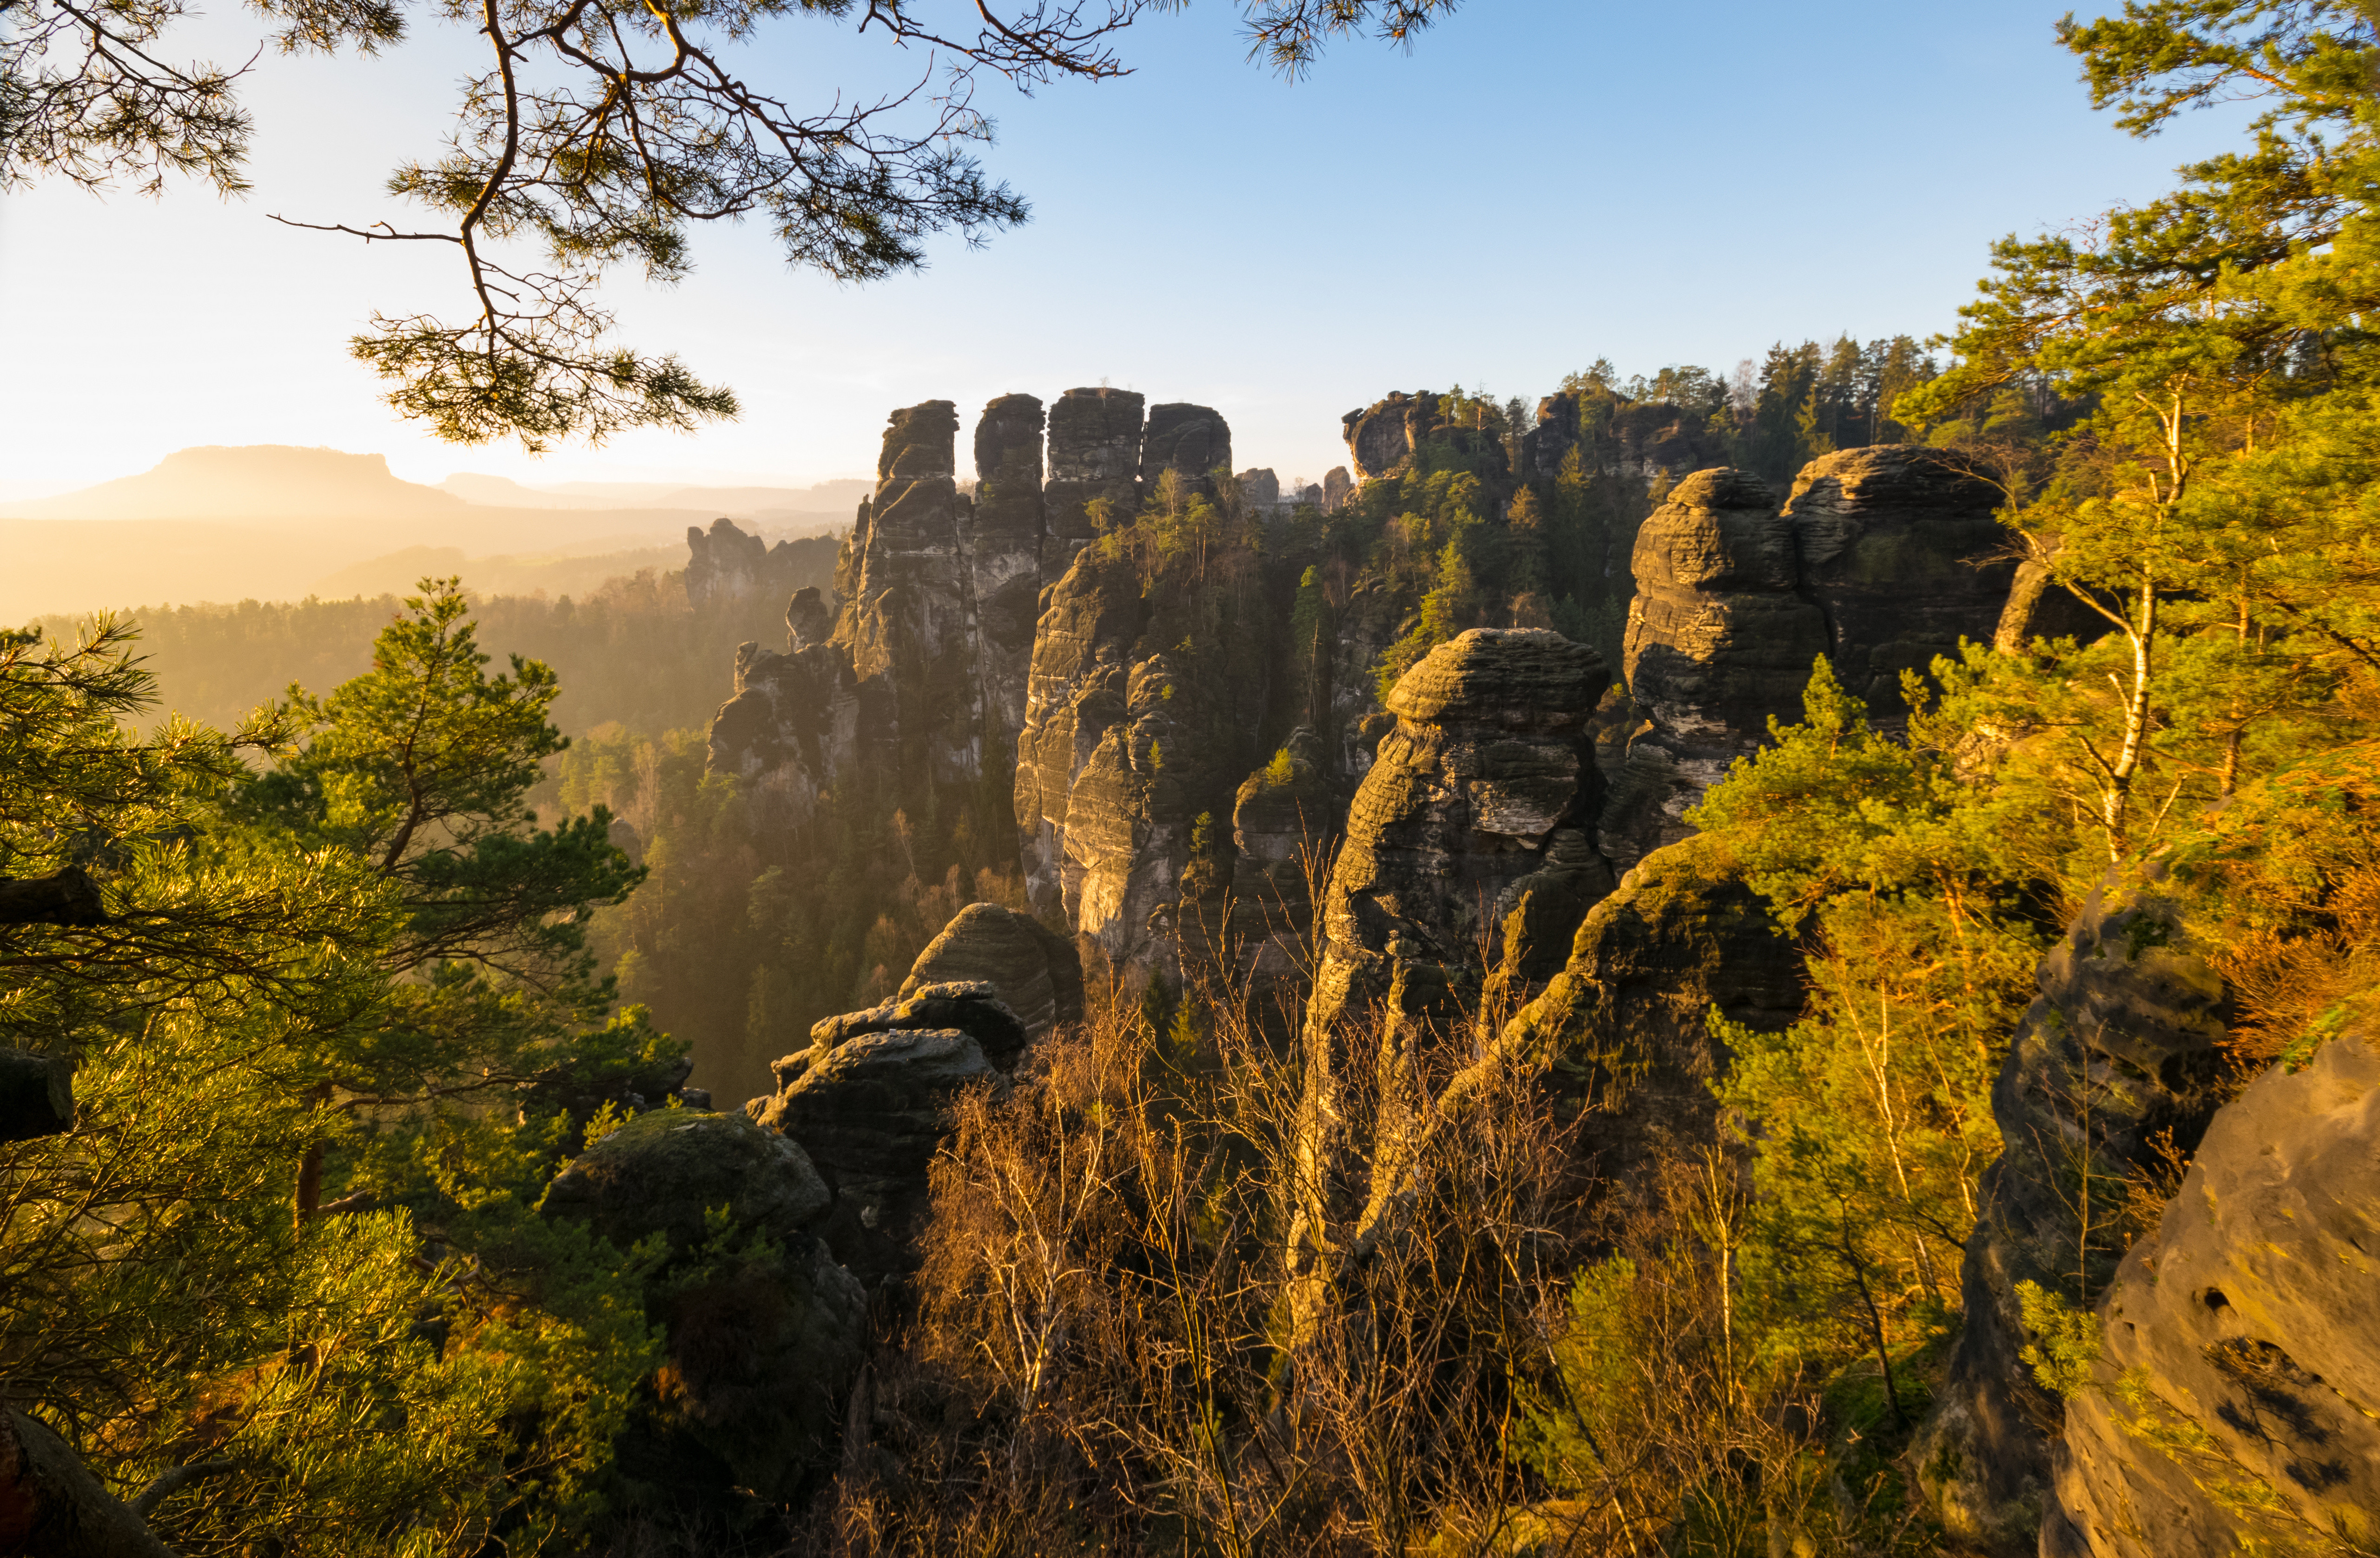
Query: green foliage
x,y
2066,1344
324,984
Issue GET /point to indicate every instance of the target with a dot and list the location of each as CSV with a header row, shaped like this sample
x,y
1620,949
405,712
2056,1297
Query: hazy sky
x,y
1538,183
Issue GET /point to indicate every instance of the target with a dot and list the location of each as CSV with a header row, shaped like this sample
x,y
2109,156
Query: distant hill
x,y
261,481
836,498
270,522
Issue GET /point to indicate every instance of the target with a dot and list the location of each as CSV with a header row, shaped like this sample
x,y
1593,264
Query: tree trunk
x,y
51,1505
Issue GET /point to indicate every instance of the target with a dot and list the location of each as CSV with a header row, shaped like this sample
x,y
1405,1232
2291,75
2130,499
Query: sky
x,y
1534,185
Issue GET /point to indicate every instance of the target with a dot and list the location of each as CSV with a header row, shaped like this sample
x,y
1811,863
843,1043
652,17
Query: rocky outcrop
x,y
1720,638
1902,548
2116,1058
1623,1027
1336,485
1094,453
1487,781
1383,438
726,566
909,621
36,1095
1193,441
2236,1403
1284,819
1032,970
53,1507
764,1330
2039,607
1260,488
1615,437
974,1009
1005,571
872,1110
793,724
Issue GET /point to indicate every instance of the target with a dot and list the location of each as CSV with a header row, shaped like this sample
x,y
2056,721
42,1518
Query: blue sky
x,y
1535,184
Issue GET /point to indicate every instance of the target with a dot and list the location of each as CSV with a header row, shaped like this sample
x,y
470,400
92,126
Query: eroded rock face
x,y
1896,545
762,1347
1285,817
2119,1051
1193,440
1488,779
793,724
909,621
1624,1025
1618,438
1260,488
1094,453
1336,485
1720,638
1033,971
871,1112
726,564
1005,565
973,1008
2247,1317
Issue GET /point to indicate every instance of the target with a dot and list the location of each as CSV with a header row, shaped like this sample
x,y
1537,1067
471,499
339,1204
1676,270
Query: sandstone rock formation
x,y
1284,819
1192,441
1897,544
1624,1025
872,1112
761,1345
1336,485
1005,562
1720,638
2244,1321
972,1008
1094,453
726,564
1260,488
2118,1052
1487,780
908,618
1616,437
53,1507
2039,607
793,722
1382,438
1033,971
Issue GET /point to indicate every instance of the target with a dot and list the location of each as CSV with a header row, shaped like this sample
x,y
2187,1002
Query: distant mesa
x,y
259,482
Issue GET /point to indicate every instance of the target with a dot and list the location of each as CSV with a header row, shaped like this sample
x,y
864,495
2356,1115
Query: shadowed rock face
x,y
762,1346
1625,1024
1336,485
1718,639
1260,488
2121,1047
1488,778
1896,545
1191,439
909,623
1382,438
2246,1315
871,1112
1283,826
1035,972
1616,438
973,1008
1005,568
1094,453
793,724
726,564
1118,758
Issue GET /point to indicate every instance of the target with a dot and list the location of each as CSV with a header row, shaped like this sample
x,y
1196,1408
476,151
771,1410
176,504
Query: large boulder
x,y
974,1009
764,1330
2236,1403
2117,1058
1033,971
871,1112
1901,547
